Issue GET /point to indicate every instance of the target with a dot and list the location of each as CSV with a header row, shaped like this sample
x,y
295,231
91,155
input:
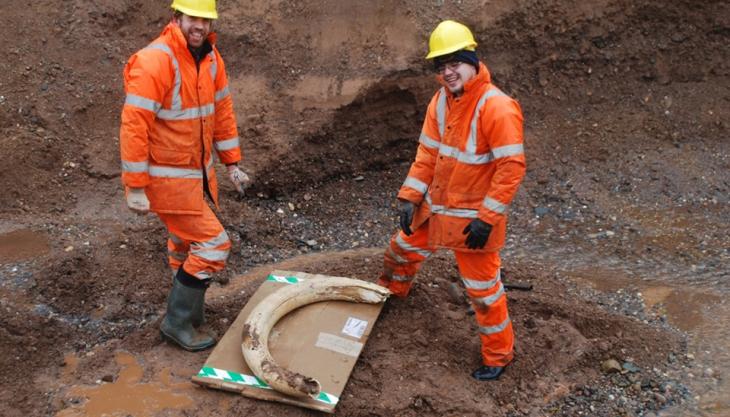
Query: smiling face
x,y
195,29
456,74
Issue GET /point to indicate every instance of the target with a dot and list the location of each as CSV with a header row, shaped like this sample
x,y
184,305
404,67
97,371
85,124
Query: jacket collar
x,y
176,39
482,77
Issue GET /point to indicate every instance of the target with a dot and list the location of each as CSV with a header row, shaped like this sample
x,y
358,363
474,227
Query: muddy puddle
x,y
702,313
21,245
125,394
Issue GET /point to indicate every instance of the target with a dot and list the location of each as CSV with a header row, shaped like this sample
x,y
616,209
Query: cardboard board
x,y
321,340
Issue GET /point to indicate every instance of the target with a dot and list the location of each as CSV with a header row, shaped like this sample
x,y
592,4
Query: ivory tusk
x,y
263,317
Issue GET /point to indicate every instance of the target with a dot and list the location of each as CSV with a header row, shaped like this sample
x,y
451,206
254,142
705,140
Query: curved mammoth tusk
x,y
263,317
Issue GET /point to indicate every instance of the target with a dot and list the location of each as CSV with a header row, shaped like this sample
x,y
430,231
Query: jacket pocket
x,y
165,156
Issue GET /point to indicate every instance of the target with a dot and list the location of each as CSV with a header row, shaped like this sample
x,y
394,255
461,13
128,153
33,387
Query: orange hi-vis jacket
x,y
174,115
469,164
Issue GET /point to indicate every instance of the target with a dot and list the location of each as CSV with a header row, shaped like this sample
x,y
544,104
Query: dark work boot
x,y
487,373
199,309
177,326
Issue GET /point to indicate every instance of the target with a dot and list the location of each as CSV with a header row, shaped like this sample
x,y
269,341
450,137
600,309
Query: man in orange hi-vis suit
x,y
468,167
178,109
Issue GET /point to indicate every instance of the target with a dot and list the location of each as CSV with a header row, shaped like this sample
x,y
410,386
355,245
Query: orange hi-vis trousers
x,y
197,242
480,274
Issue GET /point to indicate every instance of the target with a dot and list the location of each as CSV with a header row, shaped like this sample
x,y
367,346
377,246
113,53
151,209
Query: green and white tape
x,y
283,279
253,381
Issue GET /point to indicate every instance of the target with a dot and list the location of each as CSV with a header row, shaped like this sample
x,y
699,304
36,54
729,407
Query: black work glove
x,y
406,216
478,234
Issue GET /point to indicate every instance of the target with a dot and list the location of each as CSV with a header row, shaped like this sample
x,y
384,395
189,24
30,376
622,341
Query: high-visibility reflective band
x,y
508,150
142,103
176,99
416,184
176,240
180,256
135,167
213,66
491,299
471,143
397,258
187,114
211,255
203,275
409,248
495,205
221,94
483,158
428,142
473,284
439,209
213,243
401,278
227,144
494,329
169,172
441,111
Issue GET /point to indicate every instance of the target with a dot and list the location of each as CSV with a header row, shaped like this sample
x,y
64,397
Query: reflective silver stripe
x,y
176,240
187,114
213,243
169,172
213,66
203,275
180,256
441,111
428,142
491,299
494,329
135,167
176,99
397,258
142,103
508,150
401,278
211,255
408,248
471,143
227,144
473,284
456,212
416,184
221,94
495,205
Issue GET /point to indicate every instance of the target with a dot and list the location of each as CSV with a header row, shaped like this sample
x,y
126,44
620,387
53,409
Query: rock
x,y
630,367
709,373
108,378
610,366
659,398
359,178
541,211
311,243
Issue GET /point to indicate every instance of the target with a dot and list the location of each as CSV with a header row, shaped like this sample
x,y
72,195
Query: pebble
x,y
709,373
610,366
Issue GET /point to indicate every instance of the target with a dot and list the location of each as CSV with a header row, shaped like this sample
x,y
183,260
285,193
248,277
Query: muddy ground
x,y
621,223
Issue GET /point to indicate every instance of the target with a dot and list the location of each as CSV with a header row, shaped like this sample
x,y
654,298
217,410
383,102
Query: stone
x,y
610,366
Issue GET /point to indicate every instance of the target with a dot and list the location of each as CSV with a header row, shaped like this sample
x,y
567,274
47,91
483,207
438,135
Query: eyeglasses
x,y
451,66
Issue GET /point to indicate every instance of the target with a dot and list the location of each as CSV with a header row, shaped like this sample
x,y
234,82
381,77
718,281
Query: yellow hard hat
x,y
449,37
197,8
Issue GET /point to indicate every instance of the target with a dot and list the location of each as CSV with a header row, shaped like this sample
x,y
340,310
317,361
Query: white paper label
x,y
339,344
355,327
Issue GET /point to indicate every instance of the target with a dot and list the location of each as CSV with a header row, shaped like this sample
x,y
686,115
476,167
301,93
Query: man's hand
x,y
406,216
239,178
478,234
137,201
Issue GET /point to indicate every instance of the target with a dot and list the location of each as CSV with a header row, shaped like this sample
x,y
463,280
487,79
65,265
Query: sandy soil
x,y
621,223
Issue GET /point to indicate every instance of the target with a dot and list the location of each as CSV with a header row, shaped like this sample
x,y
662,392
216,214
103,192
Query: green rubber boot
x,y
177,326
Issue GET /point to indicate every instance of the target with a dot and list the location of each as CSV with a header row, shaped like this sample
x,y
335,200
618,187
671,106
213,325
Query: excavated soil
x,y
621,224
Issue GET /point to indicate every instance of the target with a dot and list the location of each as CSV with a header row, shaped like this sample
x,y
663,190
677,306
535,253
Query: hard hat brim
x,y
468,45
196,13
